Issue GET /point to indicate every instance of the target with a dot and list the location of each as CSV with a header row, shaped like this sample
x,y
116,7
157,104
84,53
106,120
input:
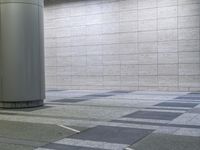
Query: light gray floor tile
x,y
195,111
167,130
188,132
168,142
92,144
68,147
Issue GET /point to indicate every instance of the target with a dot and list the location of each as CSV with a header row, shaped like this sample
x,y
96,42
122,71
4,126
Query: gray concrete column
x,y
21,53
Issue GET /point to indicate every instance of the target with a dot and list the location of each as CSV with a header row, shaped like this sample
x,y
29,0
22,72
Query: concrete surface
x,y
105,120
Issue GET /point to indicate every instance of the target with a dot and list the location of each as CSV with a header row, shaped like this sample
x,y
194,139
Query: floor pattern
x,y
105,120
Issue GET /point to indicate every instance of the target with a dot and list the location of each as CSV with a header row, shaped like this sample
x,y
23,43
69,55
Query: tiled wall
x,y
123,44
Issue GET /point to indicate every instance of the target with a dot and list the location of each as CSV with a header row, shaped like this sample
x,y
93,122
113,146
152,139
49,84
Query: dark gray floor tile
x,y
110,134
139,122
179,109
94,96
154,115
188,97
68,147
194,93
176,104
158,124
70,100
167,142
184,126
184,101
99,95
120,92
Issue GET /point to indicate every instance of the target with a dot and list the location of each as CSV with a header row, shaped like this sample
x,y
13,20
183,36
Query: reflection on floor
x,y
105,120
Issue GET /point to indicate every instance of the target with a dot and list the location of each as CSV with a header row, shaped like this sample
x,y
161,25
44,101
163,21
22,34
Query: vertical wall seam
x,y
138,53
1,61
157,43
178,75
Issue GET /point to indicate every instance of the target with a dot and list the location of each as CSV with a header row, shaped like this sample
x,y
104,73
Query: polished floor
x,y
105,120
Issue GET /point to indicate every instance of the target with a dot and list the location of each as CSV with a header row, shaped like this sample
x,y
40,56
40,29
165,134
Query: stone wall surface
x,y
123,44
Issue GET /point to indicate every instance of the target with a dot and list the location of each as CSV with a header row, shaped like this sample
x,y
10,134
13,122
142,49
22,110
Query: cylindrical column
x,y
21,53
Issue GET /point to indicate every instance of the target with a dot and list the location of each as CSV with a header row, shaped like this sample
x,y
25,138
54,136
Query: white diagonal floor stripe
x,y
72,129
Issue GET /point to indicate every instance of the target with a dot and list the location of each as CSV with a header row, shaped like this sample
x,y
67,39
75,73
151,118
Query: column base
x,y
22,104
